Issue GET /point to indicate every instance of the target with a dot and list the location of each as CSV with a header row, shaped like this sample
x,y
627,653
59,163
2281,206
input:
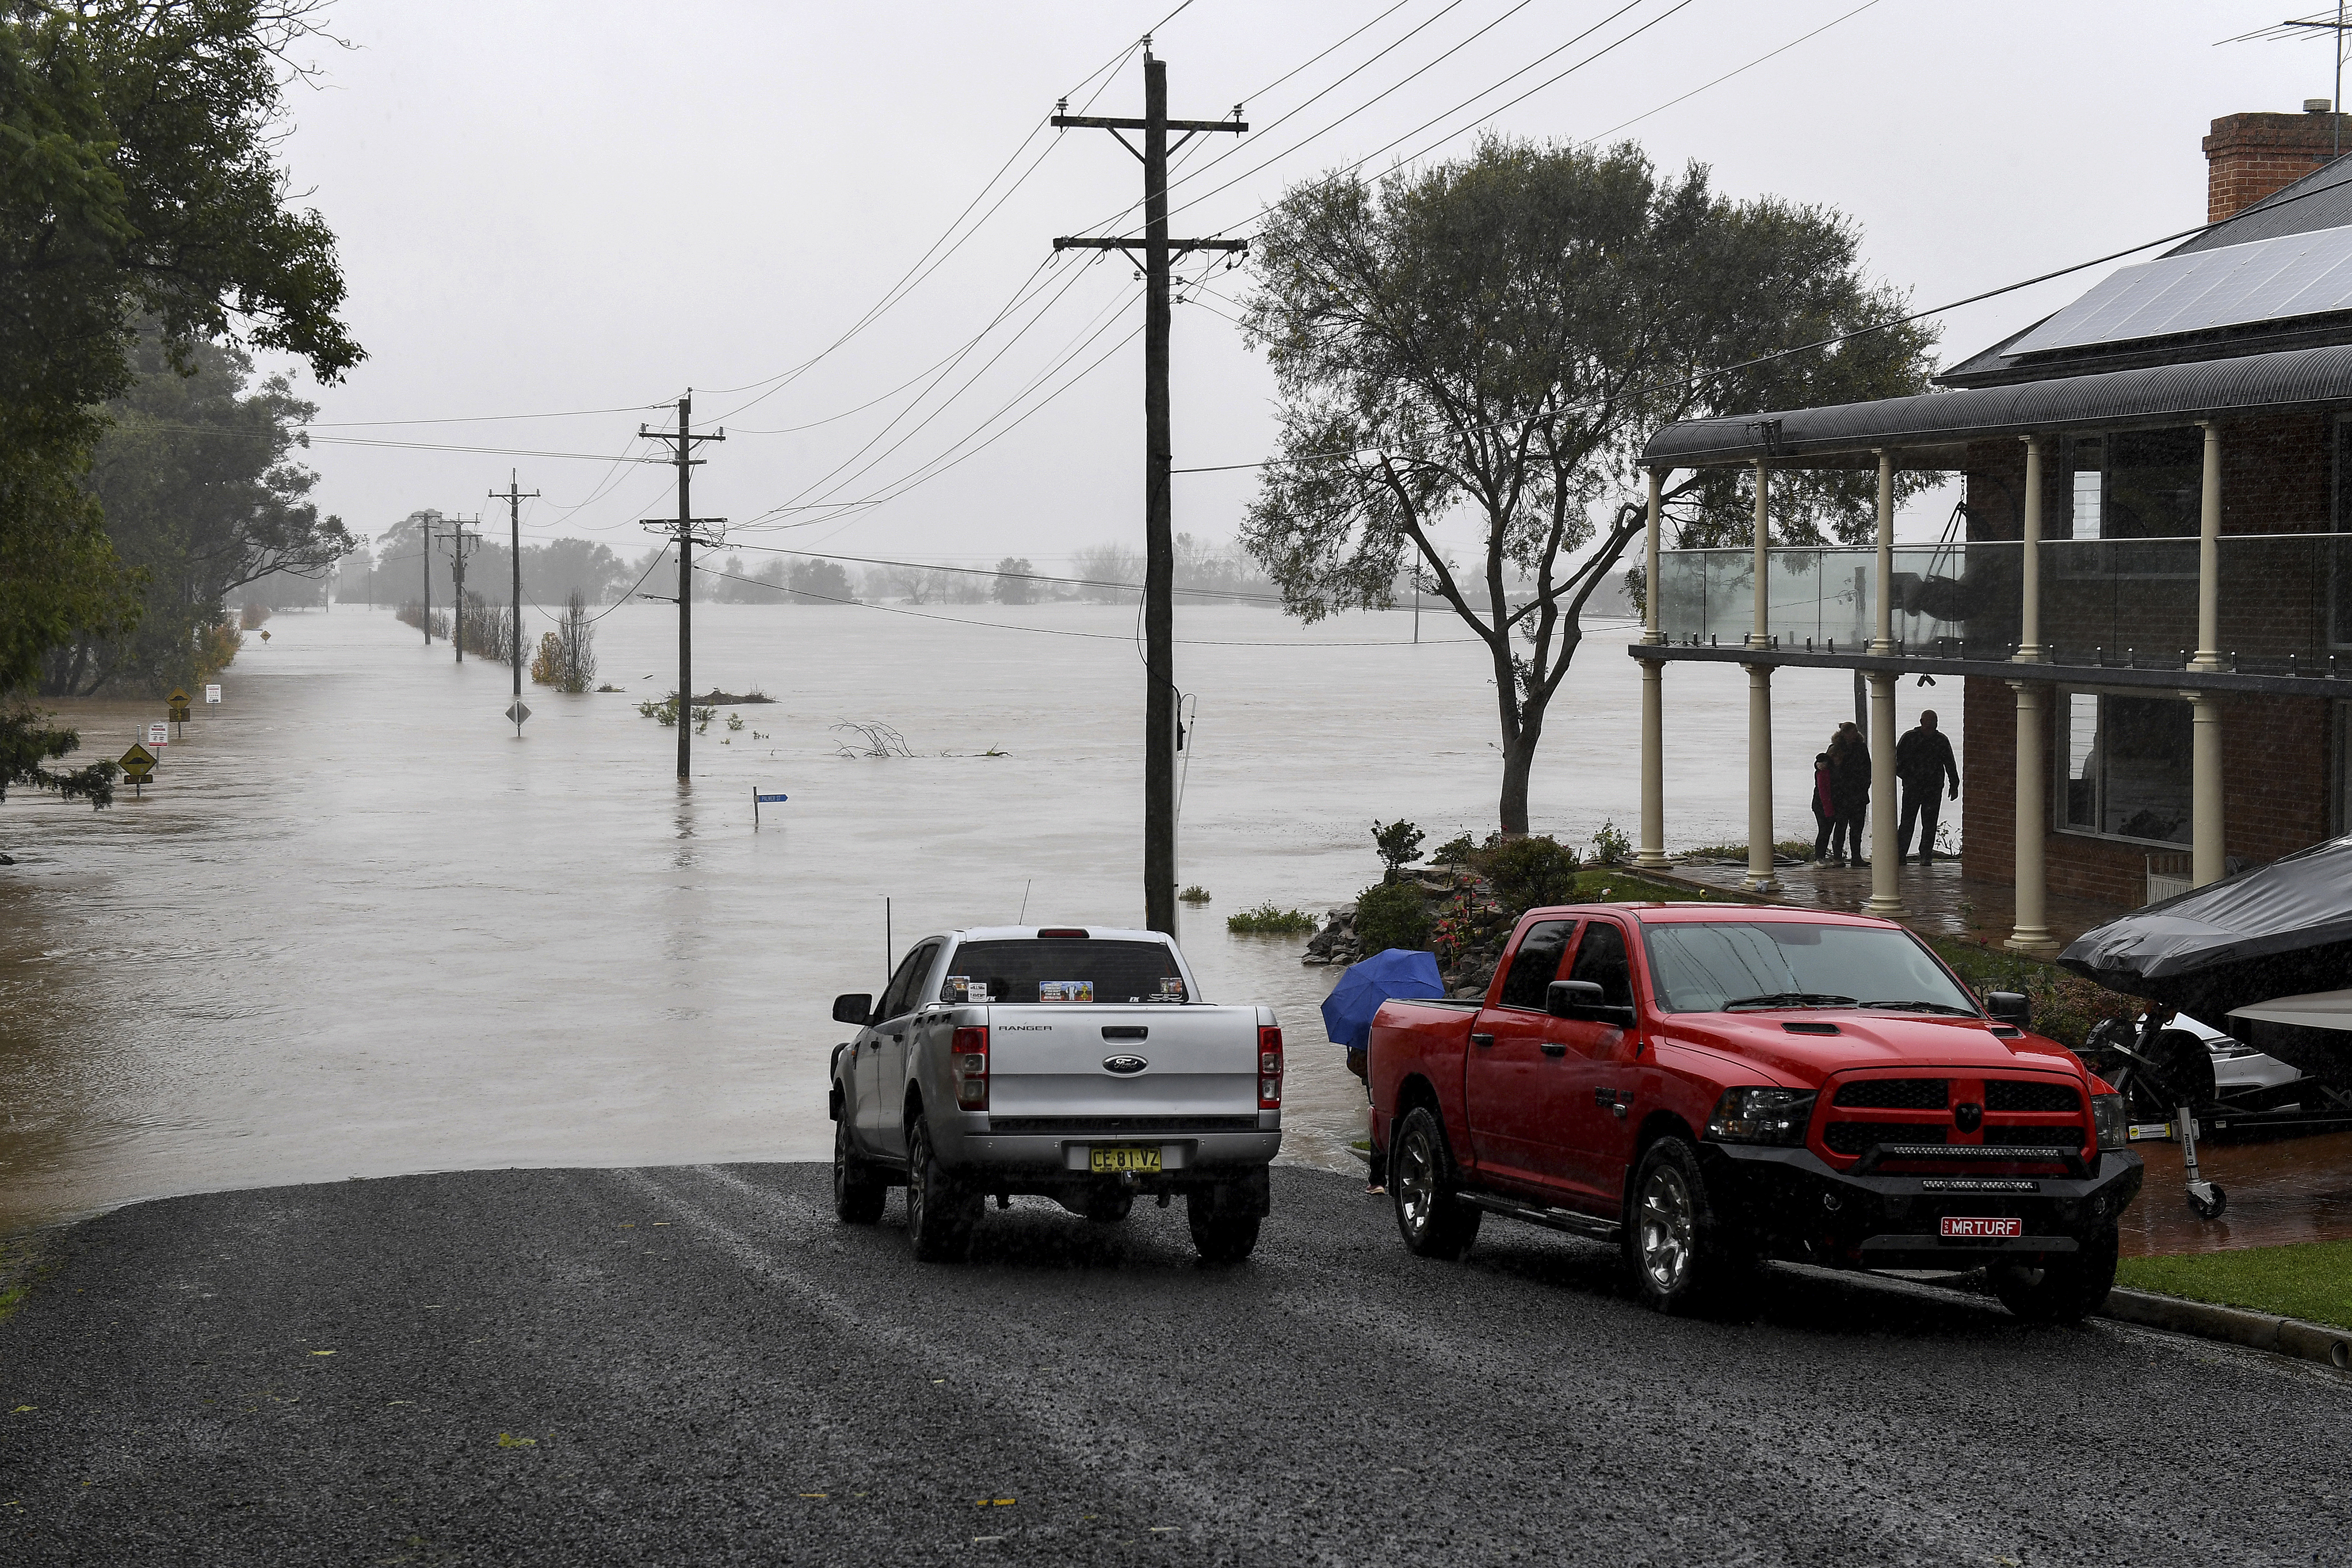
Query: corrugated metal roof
x,y
1933,428
2278,280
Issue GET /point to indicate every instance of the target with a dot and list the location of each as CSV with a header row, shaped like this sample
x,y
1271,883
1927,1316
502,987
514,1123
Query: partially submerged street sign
x,y
178,704
159,734
211,694
518,711
137,764
759,800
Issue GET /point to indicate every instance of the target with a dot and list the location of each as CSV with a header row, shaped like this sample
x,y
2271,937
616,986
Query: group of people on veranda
x,y
1924,768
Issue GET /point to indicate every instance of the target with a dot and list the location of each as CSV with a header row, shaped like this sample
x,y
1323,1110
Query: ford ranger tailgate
x,y
1110,1061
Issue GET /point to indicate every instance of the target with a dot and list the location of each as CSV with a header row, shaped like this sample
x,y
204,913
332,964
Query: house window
x,y
2128,768
2086,458
2156,484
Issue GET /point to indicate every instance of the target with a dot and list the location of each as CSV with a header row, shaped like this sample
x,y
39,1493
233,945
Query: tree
x,y
201,500
29,743
1481,346
1399,844
1104,567
1012,584
138,180
818,583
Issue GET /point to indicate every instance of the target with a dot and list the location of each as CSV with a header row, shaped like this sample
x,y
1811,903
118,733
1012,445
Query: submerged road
x,y
699,1365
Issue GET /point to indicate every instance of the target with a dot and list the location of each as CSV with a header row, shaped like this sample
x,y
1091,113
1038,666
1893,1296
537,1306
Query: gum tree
x,y
1476,351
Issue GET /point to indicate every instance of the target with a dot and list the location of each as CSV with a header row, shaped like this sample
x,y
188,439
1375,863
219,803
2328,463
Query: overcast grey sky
x,y
586,206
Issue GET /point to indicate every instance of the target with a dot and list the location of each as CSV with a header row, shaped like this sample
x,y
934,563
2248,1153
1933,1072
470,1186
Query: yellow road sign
x,y
179,712
138,761
178,699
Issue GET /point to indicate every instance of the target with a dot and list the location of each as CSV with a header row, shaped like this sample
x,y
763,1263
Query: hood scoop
x,y
1808,1026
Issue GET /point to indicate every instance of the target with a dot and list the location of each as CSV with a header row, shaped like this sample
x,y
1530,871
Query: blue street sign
x,y
773,799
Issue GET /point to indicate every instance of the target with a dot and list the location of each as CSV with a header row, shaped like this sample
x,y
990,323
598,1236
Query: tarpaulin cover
x,y
1395,973
2280,929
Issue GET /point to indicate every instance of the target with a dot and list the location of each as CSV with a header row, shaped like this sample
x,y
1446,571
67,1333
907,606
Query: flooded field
x,y
356,927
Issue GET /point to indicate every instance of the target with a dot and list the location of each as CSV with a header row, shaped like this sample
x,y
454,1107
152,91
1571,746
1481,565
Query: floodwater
x,y
356,928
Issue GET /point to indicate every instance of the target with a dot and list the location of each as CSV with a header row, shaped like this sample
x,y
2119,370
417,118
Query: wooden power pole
x,y
460,541
514,496
688,531
1159,708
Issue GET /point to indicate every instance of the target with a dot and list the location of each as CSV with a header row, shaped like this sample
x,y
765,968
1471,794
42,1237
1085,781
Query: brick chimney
x,y
2249,156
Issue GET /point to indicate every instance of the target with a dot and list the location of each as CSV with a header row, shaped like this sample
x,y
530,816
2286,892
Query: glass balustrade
x,y
2285,599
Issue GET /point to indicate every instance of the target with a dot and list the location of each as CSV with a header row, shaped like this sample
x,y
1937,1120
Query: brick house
x,y
2154,590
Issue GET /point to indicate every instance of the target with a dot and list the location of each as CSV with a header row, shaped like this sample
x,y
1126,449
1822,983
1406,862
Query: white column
x,y
2030,932
2206,858
1652,853
1885,644
1760,878
2209,561
2028,626
1884,807
1761,636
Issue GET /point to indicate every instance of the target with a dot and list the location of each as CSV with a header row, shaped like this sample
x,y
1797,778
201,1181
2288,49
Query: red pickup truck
x,y
1708,1085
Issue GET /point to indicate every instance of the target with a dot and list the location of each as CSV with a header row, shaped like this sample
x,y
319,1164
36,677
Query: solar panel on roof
x,y
2236,285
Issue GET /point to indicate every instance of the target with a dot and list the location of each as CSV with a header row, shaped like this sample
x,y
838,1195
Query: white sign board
x,y
159,734
211,694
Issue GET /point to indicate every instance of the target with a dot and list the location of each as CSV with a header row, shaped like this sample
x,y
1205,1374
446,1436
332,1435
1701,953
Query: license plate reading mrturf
x,y
1981,1229
1145,1161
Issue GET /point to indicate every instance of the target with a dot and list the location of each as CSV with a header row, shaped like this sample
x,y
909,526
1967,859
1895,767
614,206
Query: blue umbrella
x,y
1395,974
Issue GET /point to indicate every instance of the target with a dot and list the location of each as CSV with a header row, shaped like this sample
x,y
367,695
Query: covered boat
x,y
2270,948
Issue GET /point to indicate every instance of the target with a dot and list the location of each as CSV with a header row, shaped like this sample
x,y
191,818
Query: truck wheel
x,y
1683,1257
2065,1289
1219,1237
940,1213
1430,1215
858,1192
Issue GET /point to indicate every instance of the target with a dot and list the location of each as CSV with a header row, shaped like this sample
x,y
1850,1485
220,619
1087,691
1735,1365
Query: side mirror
x,y
853,1007
2013,1007
1572,998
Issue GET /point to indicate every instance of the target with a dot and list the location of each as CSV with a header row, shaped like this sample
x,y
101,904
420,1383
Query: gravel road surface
x,y
699,1365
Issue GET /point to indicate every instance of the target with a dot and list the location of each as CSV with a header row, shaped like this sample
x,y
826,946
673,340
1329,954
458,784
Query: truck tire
x,y
1422,1187
1684,1258
1219,1237
2066,1289
941,1214
859,1190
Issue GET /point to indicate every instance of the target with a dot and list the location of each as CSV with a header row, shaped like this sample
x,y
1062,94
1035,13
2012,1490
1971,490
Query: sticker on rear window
x,y
1172,985
1066,991
963,988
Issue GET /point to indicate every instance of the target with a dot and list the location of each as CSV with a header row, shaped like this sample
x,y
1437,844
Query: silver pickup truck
x,y
1073,1064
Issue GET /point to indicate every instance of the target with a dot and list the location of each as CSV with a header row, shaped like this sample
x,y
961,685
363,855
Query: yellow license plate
x,y
1113,1160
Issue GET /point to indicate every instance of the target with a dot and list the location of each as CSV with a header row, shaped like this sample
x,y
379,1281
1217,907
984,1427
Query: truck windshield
x,y
1063,970
1718,966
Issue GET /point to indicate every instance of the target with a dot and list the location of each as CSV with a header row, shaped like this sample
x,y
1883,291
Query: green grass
x,y
1266,919
1797,848
2310,1279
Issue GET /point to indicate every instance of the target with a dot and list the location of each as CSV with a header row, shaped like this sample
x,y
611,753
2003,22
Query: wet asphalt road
x,y
699,1365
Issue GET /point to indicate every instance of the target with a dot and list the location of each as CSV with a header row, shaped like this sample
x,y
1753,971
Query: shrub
x,y
254,614
1455,851
1399,844
1529,872
1195,894
1266,919
1610,846
1392,914
546,663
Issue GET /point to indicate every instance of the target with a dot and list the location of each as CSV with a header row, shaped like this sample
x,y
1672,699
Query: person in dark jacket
x,y
1922,761
1824,807
1849,756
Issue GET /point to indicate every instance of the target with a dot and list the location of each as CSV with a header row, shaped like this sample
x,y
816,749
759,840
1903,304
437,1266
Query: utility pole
x,y
688,531
426,555
460,541
514,496
1160,699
